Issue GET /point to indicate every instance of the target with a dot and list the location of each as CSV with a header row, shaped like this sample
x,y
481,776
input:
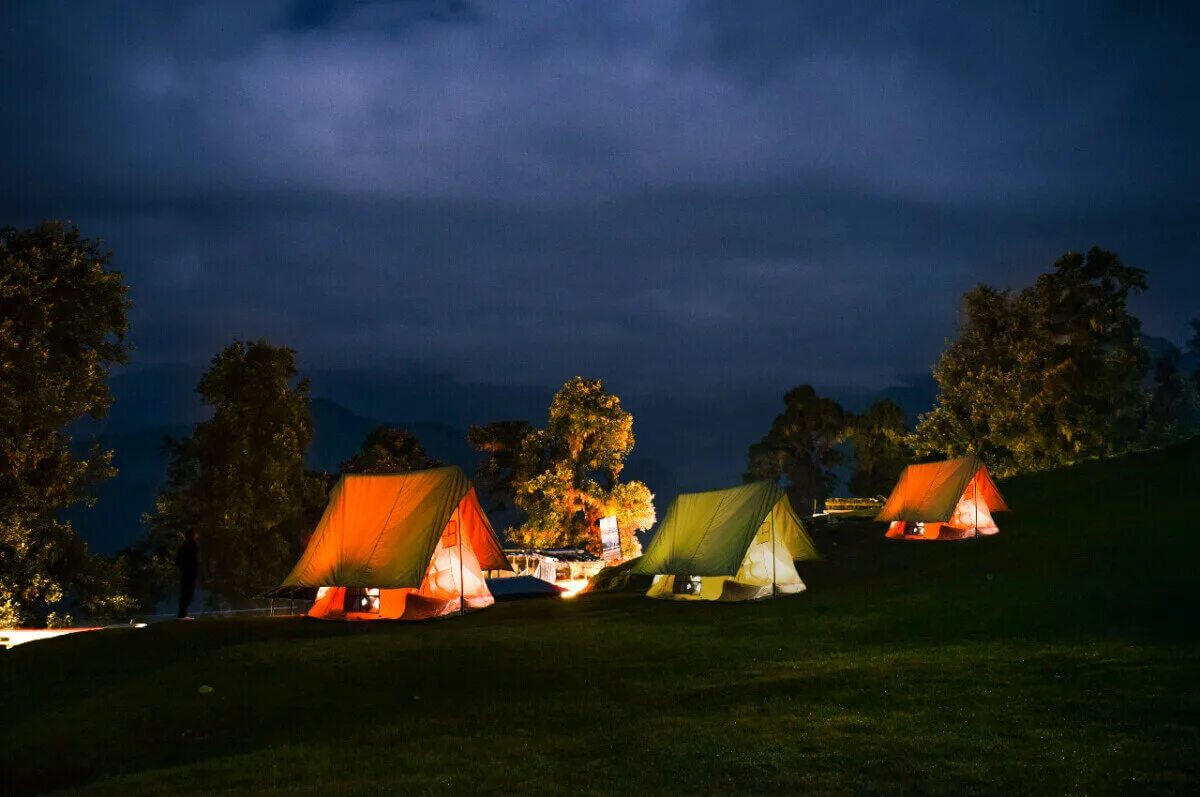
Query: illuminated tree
x,y
62,327
567,476
801,448
633,505
389,450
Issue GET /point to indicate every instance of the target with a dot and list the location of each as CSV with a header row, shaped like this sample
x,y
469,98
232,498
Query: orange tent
x,y
407,546
949,500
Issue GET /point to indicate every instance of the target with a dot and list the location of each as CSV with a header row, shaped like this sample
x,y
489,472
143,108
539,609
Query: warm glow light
x,y
11,637
573,586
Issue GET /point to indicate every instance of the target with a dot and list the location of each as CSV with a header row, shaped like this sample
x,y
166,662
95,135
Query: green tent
x,y
729,545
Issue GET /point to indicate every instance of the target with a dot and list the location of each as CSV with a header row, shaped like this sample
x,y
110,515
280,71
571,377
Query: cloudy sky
x,y
692,194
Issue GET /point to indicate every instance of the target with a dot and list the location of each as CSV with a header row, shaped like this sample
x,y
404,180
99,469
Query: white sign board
x,y
610,539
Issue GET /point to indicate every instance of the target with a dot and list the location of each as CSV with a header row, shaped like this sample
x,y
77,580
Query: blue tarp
x,y
520,587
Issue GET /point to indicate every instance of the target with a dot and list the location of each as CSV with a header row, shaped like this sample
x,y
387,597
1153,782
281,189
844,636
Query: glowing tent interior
x,y
737,544
408,546
949,500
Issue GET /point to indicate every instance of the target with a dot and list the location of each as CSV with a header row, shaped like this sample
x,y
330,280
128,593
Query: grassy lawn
x,y
1061,656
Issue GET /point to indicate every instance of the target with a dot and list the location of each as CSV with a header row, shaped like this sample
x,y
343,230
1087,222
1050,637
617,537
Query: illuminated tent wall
x,y
409,546
728,545
949,500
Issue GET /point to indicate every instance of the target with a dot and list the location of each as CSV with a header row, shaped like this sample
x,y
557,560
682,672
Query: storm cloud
x,y
679,194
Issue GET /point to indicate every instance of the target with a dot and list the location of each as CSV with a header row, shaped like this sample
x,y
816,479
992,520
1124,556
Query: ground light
x,y
11,637
572,586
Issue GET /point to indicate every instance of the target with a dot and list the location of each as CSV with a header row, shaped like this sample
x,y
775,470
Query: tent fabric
x,y
708,534
415,542
931,492
943,500
740,543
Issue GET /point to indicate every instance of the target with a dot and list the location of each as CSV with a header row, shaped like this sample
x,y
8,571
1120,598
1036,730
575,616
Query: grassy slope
x,y
1060,656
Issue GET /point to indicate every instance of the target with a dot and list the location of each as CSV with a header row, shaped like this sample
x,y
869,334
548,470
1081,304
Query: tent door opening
x,y
914,529
686,585
361,600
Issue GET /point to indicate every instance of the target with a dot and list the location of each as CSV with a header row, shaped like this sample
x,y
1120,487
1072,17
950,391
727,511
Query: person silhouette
x,y
188,562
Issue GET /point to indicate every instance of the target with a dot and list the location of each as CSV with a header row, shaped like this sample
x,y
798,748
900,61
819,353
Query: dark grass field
x,y
1061,656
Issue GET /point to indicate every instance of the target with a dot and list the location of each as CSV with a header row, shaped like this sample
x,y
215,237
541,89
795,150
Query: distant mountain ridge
x,y
1161,347
684,443
139,455
338,433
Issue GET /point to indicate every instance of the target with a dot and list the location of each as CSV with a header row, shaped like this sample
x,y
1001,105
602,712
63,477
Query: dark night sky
x,y
677,195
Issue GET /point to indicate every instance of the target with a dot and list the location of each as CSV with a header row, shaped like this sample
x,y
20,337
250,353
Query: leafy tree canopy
x,y
801,447
879,439
239,479
501,442
1173,412
567,476
389,450
62,326
1044,376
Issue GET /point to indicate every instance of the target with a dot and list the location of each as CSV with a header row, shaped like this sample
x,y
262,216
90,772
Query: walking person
x,y
188,562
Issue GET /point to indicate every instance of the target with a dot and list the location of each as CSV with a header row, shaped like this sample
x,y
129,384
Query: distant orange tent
x,y
949,500
407,546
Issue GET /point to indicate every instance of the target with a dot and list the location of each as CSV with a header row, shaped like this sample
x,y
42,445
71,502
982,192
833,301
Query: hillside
x,y
1057,657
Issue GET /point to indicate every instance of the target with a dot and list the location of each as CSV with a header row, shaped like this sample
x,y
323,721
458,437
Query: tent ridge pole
x,y
774,553
462,592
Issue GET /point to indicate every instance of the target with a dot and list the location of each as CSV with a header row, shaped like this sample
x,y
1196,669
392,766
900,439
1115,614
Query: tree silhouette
x,y
801,448
388,449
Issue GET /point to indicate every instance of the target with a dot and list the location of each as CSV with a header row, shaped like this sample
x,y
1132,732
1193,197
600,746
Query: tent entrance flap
x,y
361,599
